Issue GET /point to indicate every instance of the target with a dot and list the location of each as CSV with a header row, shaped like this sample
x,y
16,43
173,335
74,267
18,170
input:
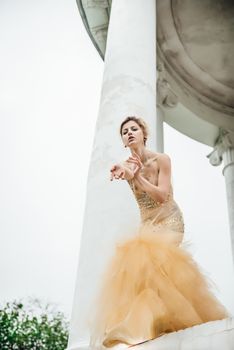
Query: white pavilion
x,y
170,61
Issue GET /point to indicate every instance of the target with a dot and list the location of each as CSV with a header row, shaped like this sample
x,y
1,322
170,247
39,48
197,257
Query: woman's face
x,y
132,134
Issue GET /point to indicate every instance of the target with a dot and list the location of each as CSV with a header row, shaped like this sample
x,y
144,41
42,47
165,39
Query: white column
x,y
228,172
129,88
224,151
159,129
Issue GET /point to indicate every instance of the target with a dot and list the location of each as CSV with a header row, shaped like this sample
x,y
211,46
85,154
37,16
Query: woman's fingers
x,y
136,156
122,175
135,162
113,168
117,175
118,171
135,159
136,170
132,160
112,172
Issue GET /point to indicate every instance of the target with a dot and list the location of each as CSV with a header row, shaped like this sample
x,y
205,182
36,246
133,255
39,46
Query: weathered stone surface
x,y
214,335
208,336
206,29
195,43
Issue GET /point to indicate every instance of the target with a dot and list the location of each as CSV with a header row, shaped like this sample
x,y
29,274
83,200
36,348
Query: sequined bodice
x,y
145,201
158,214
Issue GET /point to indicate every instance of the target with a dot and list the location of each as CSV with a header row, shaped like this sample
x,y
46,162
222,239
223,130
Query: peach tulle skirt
x,y
151,287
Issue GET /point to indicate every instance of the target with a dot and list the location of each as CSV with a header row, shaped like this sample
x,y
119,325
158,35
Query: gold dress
x,y
152,285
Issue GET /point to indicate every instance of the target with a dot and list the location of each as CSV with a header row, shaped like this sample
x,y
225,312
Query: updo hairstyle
x,y
142,124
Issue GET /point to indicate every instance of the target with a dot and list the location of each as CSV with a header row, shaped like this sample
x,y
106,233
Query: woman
x,y
152,285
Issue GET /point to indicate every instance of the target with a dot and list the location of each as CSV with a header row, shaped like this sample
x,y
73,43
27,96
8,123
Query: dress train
x,y
153,286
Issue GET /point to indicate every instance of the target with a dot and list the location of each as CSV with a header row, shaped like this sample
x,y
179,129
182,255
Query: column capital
x,y
224,142
165,95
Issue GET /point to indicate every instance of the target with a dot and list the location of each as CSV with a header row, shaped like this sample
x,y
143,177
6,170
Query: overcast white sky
x,y
50,83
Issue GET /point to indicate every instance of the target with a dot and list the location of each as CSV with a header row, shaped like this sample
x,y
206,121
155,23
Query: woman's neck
x,y
141,152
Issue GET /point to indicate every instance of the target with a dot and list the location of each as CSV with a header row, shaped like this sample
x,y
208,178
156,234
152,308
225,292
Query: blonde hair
x,y
142,124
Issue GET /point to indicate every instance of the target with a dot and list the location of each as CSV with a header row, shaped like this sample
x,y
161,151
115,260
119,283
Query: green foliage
x,y
32,326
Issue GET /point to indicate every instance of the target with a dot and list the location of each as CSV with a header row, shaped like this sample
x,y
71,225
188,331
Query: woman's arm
x,y
160,192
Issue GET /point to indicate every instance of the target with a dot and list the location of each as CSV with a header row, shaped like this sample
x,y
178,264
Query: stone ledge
x,y
215,335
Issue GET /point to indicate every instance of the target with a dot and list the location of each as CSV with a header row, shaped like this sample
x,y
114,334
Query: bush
x,y
30,325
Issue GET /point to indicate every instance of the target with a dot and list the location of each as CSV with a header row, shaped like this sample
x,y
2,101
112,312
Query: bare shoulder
x,y
163,160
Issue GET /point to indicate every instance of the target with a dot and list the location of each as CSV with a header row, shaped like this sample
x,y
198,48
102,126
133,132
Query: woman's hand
x,y
127,170
117,172
136,161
